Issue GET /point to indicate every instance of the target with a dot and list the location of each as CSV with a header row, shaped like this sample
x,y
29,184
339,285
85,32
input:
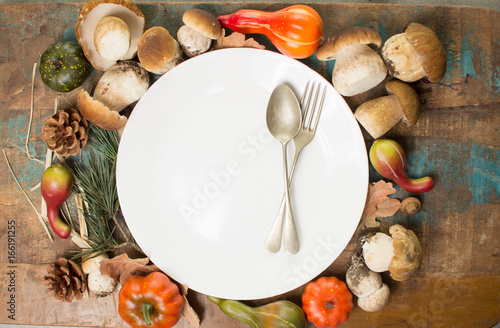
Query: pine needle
x,y
96,178
105,141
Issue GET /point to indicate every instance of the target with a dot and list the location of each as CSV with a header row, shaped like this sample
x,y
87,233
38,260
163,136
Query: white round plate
x,y
200,178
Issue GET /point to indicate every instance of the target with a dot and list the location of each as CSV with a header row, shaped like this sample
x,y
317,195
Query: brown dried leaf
x,y
379,204
235,40
188,313
122,266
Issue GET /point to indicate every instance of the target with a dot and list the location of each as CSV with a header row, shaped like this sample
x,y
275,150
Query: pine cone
x,y
65,280
65,132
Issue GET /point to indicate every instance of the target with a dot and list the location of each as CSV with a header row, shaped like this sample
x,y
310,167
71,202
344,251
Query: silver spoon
x,y
284,118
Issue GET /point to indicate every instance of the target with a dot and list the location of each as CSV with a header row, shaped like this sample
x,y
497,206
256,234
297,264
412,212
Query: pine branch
x,y
95,178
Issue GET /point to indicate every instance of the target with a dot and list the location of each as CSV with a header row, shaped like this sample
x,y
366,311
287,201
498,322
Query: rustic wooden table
x,y
456,141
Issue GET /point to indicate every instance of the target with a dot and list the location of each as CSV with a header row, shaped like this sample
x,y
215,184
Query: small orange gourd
x,y
296,31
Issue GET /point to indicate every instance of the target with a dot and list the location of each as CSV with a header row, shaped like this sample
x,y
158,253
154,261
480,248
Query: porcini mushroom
x,y
400,254
379,115
367,285
92,12
414,54
99,284
201,27
120,86
158,51
358,68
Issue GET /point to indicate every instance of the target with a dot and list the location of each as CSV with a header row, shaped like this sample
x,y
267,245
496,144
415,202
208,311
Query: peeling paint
x,y
467,53
485,182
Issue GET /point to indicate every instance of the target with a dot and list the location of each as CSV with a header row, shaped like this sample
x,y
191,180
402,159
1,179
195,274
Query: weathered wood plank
x,y
468,35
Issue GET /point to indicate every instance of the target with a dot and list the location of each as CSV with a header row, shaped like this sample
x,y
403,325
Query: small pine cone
x,y
64,280
65,132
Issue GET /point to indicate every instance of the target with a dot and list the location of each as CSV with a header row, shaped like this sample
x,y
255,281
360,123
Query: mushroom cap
x,y
407,253
354,35
429,50
408,100
202,22
98,113
157,49
92,12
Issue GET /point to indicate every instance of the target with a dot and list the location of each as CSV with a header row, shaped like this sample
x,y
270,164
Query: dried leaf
x,y
379,204
188,313
235,40
122,266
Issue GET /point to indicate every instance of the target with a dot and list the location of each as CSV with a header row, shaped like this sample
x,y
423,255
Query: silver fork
x,y
302,139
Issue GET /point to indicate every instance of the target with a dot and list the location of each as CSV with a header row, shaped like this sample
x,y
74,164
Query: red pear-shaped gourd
x,y
389,159
296,31
56,186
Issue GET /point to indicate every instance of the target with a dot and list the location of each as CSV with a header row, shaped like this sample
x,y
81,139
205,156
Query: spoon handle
x,y
291,238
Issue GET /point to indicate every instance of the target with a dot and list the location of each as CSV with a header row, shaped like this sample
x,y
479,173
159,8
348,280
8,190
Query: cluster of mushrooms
x,y
111,33
399,253
408,57
404,58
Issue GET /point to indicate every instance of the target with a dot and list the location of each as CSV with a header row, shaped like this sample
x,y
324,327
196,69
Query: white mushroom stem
x,y
378,252
402,59
376,301
358,68
379,115
193,42
112,38
99,284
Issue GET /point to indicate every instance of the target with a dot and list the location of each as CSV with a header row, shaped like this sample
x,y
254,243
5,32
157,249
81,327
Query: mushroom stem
x,y
358,68
402,60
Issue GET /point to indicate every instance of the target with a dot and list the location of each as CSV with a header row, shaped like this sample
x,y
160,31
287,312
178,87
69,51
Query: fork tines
x,y
308,112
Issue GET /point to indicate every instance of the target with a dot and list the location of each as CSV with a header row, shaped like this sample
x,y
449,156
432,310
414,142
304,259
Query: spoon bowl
x,y
283,114
284,119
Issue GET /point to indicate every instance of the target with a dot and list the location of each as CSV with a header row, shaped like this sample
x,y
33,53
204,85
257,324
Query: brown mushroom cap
x,y
202,22
429,50
157,48
98,113
92,12
407,253
354,35
408,100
